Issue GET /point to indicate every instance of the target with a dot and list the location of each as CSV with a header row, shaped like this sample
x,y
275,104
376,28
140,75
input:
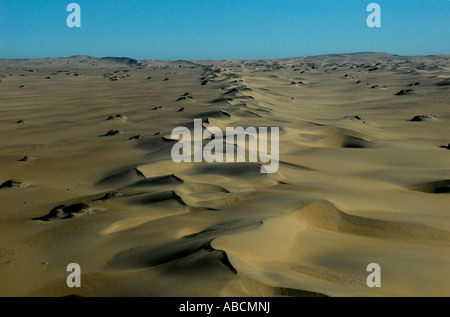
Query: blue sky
x,y
219,29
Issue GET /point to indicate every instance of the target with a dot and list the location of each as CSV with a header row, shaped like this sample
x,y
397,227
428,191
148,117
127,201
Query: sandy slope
x,y
358,181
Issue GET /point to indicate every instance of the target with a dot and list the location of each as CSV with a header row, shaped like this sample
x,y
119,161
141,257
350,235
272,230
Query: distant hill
x,y
363,57
76,62
86,62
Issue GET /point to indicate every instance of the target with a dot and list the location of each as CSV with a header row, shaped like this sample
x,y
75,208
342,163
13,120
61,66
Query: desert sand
x,y
364,177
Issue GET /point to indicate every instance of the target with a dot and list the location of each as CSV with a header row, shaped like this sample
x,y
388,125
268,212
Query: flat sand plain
x,y
359,181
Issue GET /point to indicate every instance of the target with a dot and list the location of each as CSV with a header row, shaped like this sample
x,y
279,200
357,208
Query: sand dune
x,y
87,176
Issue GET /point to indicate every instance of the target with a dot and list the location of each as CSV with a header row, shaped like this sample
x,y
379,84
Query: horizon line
x,y
223,59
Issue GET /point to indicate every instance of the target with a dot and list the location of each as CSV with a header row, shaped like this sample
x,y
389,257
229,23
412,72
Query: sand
x,y
364,177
